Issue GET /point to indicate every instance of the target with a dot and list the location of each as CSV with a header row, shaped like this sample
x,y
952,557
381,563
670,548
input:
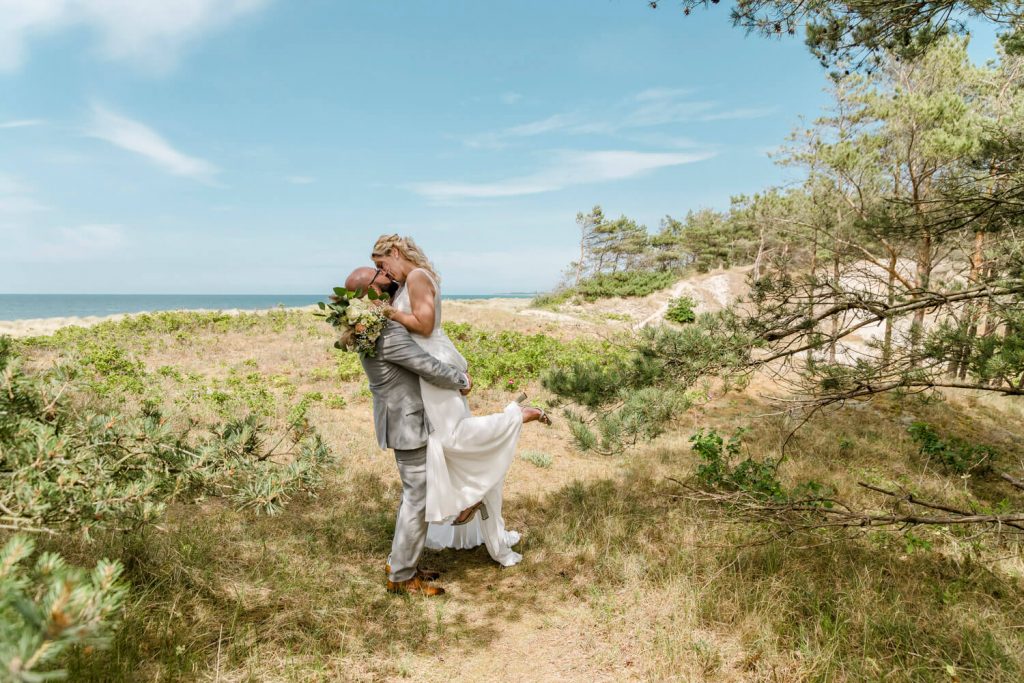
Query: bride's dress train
x,y
467,456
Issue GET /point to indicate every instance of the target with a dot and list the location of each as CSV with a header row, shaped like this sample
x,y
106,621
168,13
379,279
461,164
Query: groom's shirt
x,y
394,374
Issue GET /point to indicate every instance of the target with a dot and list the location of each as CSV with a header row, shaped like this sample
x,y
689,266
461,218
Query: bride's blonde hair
x,y
408,249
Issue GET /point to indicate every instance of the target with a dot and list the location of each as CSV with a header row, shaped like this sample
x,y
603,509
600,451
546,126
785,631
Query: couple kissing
x,y
452,464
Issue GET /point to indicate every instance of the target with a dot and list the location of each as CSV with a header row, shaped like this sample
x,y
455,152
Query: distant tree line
x,y
897,265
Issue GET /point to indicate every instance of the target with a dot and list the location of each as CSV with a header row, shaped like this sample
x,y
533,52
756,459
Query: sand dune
x,y
31,327
468,310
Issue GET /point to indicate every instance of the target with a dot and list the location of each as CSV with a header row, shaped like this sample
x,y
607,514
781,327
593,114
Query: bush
x,y
348,367
112,370
336,401
680,310
542,460
718,471
629,283
954,455
69,463
551,299
130,329
509,360
47,607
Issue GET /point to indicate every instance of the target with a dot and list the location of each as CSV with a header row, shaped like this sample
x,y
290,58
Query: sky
x,y
261,146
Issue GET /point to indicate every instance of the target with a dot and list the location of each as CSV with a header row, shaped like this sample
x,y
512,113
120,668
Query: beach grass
x,y
624,578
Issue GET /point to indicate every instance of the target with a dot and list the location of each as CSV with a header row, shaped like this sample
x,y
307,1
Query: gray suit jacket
x,y
394,375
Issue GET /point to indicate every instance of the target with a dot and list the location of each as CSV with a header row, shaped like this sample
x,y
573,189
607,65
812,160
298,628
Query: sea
x,y
29,306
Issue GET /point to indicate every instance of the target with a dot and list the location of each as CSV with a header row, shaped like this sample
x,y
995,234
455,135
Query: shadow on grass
x,y
860,605
309,584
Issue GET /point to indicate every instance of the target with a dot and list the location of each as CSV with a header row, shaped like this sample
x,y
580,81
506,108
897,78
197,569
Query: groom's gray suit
x,y
394,374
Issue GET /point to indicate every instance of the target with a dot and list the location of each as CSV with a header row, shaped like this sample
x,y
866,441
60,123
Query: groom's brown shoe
x,y
421,574
414,585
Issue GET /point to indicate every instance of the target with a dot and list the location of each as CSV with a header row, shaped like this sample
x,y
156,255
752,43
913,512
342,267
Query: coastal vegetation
x,y
615,548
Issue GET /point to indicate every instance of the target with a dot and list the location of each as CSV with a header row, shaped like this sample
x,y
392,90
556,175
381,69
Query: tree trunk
x,y
814,275
924,276
890,300
974,311
835,283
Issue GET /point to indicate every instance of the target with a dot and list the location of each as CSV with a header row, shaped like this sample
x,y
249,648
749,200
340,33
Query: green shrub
x,y
348,367
47,607
551,299
718,471
680,310
629,283
542,460
954,455
336,401
112,370
69,462
509,360
297,415
170,372
248,393
135,329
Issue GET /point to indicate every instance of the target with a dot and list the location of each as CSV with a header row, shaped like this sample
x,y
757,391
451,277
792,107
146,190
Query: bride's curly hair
x,y
408,249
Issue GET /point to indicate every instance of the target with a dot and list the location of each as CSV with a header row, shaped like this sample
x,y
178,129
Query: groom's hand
x,y
465,392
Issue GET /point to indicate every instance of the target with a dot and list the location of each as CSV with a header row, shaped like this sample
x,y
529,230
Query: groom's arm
x,y
396,346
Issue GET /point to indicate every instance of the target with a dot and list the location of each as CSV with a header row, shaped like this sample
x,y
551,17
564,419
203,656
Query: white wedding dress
x,y
467,456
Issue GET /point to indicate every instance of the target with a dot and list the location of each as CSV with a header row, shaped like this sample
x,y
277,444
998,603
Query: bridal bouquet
x,y
359,320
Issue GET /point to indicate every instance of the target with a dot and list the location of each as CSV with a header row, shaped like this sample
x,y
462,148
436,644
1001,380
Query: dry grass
x,y
621,580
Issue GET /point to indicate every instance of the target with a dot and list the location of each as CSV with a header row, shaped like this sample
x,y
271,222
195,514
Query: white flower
x,y
357,309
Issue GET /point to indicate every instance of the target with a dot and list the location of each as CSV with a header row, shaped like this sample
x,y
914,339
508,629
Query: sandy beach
x,y
31,327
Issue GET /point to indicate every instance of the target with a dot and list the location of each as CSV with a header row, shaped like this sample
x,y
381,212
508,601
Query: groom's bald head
x,y
361,279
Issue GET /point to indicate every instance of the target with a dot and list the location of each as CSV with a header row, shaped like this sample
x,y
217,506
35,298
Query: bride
x,y
467,457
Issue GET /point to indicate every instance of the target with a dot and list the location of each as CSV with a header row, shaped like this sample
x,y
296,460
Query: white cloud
x,y
300,179
661,94
741,114
496,139
151,32
567,169
648,109
21,123
511,97
136,137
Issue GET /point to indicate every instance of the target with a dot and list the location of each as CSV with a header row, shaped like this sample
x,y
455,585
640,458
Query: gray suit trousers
x,y
411,525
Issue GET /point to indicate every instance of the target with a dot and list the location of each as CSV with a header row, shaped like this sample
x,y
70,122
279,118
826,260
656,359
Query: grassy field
x,y
624,577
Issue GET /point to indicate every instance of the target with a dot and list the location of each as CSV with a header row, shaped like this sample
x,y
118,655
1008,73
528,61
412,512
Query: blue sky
x,y
261,146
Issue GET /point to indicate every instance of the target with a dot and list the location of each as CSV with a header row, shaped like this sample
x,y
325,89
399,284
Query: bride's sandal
x,y
467,515
544,419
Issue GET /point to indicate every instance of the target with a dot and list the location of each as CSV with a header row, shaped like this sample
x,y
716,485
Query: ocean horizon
x,y
33,306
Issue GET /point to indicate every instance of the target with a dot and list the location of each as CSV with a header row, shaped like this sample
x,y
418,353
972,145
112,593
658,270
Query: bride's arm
x,y
421,297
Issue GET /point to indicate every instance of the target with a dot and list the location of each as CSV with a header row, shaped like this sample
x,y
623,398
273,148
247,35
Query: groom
x,y
394,373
